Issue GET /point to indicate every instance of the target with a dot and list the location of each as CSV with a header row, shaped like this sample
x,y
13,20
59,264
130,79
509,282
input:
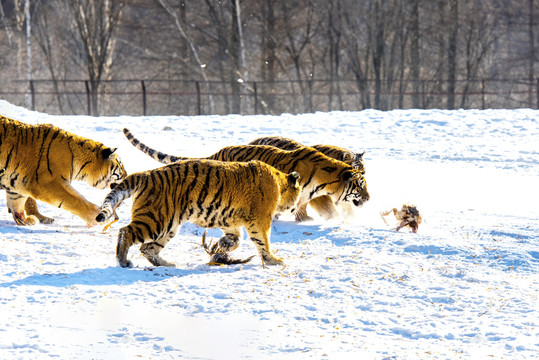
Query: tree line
x,y
359,54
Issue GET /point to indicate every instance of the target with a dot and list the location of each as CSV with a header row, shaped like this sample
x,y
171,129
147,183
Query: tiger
x,y
321,203
39,162
320,175
208,193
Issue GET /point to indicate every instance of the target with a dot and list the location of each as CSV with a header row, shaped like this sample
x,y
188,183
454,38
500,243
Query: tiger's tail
x,y
154,154
122,191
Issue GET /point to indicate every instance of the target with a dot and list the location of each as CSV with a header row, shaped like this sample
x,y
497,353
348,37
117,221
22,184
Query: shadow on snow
x,y
117,276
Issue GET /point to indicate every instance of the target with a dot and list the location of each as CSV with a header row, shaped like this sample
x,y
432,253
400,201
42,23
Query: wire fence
x,y
183,97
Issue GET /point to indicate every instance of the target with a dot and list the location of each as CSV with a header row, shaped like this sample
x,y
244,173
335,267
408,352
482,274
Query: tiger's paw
x,y
45,220
303,218
228,243
125,264
23,220
272,260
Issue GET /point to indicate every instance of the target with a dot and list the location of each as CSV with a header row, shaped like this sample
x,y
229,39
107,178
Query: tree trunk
x,y
234,50
269,58
531,61
415,67
452,53
378,53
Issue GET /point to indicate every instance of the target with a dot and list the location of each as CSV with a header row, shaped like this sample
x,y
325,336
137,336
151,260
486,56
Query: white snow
x,y
466,286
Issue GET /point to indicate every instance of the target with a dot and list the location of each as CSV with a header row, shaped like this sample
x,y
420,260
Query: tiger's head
x,y
106,170
355,160
353,188
290,193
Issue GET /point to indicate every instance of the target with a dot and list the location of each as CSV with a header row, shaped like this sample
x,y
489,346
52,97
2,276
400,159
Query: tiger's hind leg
x,y
131,235
151,252
125,241
259,233
31,209
16,206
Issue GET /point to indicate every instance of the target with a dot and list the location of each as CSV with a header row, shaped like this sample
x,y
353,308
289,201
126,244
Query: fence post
x,y
255,91
88,97
310,84
423,99
143,85
32,95
199,106
537,92
483,94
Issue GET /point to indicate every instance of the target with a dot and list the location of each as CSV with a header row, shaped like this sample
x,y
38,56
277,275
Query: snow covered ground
x,y
466,286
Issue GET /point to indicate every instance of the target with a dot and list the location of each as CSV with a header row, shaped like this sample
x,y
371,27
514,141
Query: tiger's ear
x,y
293,178
350,175
107,152
359,156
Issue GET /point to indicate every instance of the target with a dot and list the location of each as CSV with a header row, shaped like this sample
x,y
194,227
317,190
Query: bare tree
x,y
478,27
531,61
356,46
178,14
45,42
453,14
97,23
395,50
269,61
299,27
415,59
20,17
333,26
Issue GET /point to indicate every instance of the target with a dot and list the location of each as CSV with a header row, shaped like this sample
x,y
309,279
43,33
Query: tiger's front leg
x,y
259,233
325,207
31,209
64,196
301,214
16,206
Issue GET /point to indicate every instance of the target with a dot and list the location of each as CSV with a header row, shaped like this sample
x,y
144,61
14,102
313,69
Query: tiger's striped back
x,y
278,142
189,184
334,152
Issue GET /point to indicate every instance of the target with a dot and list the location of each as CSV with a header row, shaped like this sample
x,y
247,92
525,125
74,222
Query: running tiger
x,y
319,174
321,203
208,193
40,161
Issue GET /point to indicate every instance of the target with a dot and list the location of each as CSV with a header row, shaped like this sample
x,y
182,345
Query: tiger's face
x,y
112,171
116,170
354,188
